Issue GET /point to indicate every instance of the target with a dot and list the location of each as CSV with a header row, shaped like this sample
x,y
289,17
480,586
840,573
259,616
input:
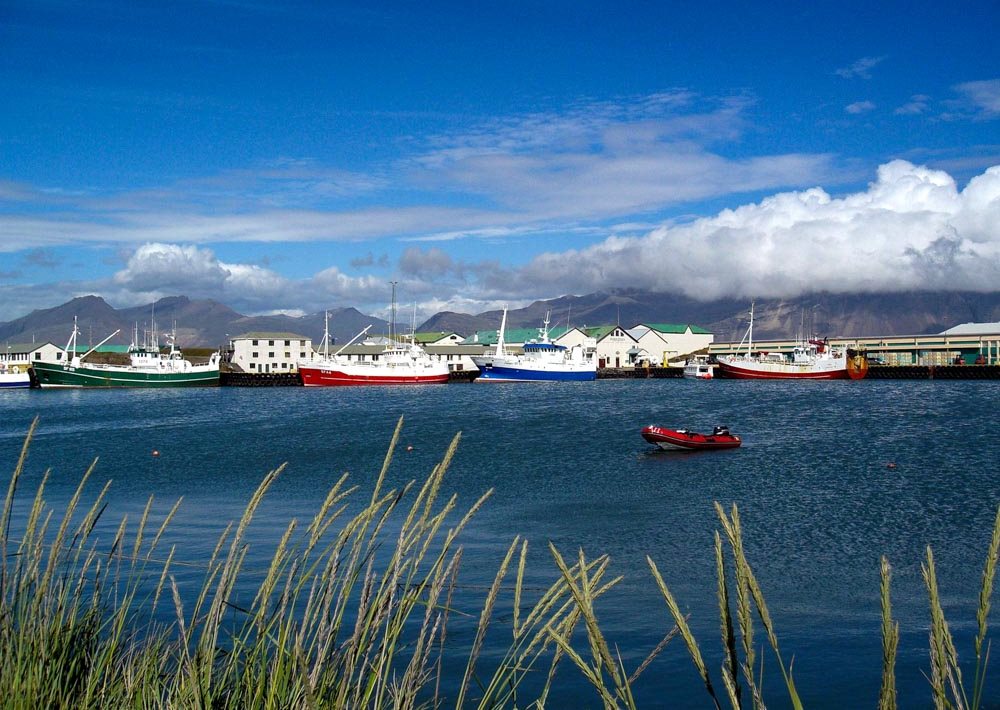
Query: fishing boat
x,y
147,367
541,360
698,368
686,440
809,360
14,376
401,363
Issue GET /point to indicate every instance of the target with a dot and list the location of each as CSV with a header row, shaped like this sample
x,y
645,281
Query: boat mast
x,y
750,331
71,343
326,335
545,327
392,317
503,326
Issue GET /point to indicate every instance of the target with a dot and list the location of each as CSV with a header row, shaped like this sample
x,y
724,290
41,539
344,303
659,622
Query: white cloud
x,y
915,106
610,160
983,97
860,69
911,229
156,267
860,107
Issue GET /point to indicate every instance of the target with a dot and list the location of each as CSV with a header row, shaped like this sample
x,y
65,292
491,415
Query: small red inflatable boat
x,y
720,438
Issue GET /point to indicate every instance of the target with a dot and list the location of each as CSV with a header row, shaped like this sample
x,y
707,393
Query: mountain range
x,y
207,323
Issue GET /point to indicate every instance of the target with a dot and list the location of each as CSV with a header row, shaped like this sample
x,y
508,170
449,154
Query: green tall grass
x,y
355,608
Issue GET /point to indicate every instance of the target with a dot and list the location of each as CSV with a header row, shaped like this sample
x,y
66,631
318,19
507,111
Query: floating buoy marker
x,y
891,465
155,453
409,448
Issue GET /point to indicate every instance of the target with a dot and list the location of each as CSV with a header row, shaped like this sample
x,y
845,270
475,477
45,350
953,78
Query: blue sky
x,y
286,156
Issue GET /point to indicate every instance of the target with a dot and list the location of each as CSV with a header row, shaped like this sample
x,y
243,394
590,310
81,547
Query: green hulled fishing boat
x,y
147,367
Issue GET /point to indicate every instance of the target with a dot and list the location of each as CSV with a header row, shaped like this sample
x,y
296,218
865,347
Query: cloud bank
x,y
910,229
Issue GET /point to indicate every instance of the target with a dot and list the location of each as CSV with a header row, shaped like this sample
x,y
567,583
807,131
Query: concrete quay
x,y
933,372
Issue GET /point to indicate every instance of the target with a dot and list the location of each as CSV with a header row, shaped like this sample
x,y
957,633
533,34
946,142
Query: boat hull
x,y
526,369
750,370
742,373
334,377
698,372
58,375
683,440
500,373
14,380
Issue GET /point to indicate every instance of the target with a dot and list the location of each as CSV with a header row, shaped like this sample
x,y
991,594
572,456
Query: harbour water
x,y
817,496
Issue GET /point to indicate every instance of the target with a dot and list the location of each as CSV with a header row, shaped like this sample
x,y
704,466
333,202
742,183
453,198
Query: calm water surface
x,y
567,465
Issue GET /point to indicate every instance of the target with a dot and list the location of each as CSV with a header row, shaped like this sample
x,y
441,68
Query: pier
x,y
618,373
267,379
933,372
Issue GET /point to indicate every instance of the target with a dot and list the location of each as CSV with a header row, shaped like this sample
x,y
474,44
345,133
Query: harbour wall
x,y
933,372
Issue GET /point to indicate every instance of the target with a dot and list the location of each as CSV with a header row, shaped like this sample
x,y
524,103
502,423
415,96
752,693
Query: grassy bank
x,y
354,611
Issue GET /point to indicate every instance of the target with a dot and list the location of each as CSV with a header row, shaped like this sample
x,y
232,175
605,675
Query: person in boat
x,y
720,431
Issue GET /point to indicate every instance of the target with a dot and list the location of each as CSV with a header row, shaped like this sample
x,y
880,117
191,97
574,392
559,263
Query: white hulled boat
x,y
401,363
698,368
809,360
14,376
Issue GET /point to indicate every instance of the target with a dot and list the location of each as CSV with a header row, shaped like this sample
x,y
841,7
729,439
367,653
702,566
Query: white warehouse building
x,y
263,353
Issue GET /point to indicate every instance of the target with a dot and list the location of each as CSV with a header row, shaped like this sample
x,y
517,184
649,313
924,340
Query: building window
x,y
302,355
287,343
255,355
255,343
253,366
271,343
271,355
288,355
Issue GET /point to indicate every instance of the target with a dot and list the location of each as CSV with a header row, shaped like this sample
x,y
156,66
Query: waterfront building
x,y
437,338
662,342
21,355
614,347
263,353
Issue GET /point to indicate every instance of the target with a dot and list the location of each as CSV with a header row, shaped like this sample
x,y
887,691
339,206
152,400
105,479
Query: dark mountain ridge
x,y
208,323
